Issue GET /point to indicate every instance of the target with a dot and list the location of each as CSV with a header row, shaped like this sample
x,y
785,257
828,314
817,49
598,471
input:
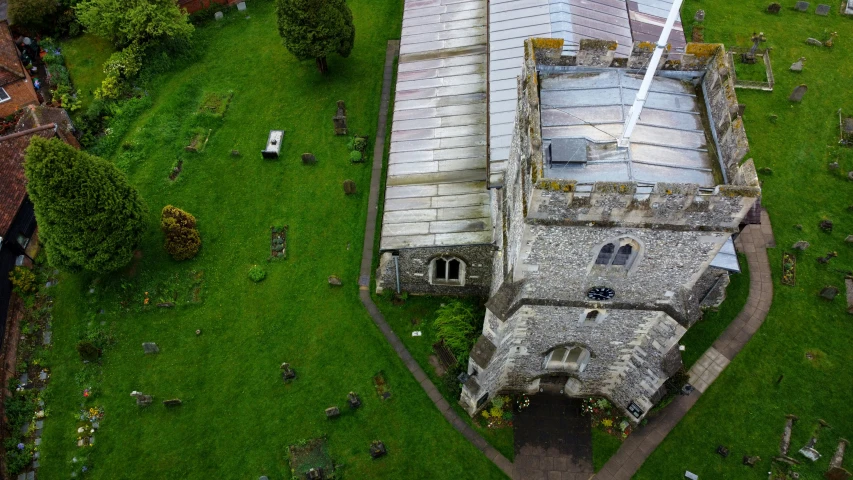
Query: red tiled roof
x,y
13,184
10,63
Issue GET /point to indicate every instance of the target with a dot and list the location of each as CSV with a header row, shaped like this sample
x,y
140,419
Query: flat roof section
x,y
668,144
436,192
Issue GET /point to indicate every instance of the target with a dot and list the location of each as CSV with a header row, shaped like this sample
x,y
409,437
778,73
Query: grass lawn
x,y
745,408
238,418
604,446
702,335
85,57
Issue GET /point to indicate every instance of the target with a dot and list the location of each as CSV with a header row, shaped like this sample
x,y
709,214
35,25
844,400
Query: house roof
x,y
11,69
668,145
39,115
513,21
13,184
436,190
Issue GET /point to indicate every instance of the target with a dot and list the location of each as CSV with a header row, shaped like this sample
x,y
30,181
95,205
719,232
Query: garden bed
x,y
311,455
278,242
789,269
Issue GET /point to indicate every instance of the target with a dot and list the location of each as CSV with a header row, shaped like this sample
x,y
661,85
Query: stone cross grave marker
x,y
798,93
802,6
822,10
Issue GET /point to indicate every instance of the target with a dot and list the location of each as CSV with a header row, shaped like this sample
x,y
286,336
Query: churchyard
x,y
798,362
217,338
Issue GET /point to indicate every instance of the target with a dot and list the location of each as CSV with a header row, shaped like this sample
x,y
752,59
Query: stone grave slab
x,y
798,65
47,336
150,347
802,6
798,93
822,10
829,292
849,284
241,6
849,10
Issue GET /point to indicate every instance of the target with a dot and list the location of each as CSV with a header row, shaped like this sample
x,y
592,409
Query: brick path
x,y
754,241
367,265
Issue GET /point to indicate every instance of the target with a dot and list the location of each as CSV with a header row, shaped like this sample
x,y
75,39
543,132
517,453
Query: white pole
x,y
651,69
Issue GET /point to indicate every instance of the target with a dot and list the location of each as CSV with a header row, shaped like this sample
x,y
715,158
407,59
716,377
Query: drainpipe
x,y
397,269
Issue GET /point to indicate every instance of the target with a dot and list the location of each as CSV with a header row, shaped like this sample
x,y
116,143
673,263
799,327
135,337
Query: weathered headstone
x,y
218,16
814,41
751,460
849,239
700,16
349,187
150,347
287,372
691,475
241,6
308,159
836,470
829,292
822,10
774,8
340,119
335,281
826,225
848,282
798,93
786,434
174,402
849,9
142,400
377,449
798,65
314,474
834,166
332,412
722,451
802,245
802,6
353,400
741,109
235,153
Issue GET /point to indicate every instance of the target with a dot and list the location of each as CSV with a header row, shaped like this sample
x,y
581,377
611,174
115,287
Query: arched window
x,y
591,317
447,271
622,256
567,358
605,255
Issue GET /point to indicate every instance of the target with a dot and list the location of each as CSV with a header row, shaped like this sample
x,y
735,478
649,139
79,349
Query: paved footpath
x,y
753,240
367,264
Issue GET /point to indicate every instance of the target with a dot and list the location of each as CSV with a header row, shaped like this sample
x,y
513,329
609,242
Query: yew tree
x,y
88,214
316,29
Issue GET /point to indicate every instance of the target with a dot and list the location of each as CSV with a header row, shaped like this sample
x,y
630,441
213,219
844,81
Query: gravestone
x,y
774,8
786,434
836,470
241,6
798,93
287,372
741,109
353,400
700,16
150,347
751,460
834,166
798,65
829,292
802,6
722,451
349,187
691,475
826,225
848,282
333,412
174,402
142,400
235,153
849,9
308,159
218,16
377,449
335,281
849,239
314,474
340,119
822,10
802,245
847,130
814,41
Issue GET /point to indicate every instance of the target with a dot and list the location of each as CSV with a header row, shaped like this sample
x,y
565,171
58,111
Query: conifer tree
x,y
316,28
89,216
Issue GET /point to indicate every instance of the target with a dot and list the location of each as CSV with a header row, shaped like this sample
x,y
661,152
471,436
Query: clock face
x,y
600,293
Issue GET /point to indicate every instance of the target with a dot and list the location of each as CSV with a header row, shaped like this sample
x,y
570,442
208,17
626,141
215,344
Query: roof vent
x,y
568,151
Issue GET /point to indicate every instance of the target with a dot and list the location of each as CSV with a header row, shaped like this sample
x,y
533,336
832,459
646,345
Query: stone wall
x,y
414,270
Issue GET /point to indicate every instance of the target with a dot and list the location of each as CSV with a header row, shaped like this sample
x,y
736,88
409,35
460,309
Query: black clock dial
x,y
600,293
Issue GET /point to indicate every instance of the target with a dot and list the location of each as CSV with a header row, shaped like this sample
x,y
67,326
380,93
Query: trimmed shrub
x,y
256,273
182,238
355,156
23,280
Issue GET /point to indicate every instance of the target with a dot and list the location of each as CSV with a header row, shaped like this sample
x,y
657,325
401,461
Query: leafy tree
x,y
134,21
31,12
316,28
182,238
89,216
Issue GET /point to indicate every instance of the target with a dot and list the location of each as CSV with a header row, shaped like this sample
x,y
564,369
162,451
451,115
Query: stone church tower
x,y
602,252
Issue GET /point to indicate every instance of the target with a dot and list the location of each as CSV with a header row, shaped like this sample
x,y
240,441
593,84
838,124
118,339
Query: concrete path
x,y
367,265
754,241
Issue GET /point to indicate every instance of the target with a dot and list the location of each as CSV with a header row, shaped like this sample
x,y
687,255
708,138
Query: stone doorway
x,y
552,439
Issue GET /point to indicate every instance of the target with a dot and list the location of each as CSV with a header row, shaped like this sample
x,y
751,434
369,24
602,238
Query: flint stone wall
x,y
414,270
